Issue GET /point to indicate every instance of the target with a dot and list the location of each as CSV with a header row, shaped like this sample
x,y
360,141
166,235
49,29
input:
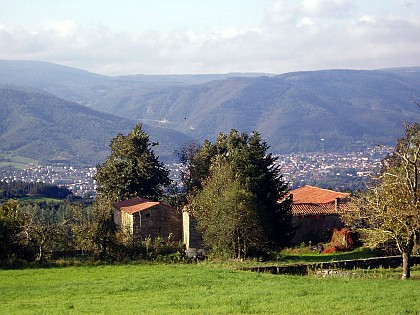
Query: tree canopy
x,y
16,189
132,169
226,213
254,174
390,209
10,227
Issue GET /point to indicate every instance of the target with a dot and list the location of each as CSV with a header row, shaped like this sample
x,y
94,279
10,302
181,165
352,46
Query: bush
x,y
341,240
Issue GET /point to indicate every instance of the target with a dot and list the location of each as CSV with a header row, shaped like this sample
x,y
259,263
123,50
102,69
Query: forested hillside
x,y
331,110
294,111
45,128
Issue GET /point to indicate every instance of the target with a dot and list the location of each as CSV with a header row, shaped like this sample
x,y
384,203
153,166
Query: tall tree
x,y
390,209
226,213
256,172
262,177
10,227
132,169
44,227
103,229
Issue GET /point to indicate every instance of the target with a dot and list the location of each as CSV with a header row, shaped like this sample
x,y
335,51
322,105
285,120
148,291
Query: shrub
x,y
341,240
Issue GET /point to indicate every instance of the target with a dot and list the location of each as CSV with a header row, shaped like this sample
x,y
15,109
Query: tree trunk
x,y
41,253
406,265
239,248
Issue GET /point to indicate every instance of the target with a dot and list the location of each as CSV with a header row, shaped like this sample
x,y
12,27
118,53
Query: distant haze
x,y
191,37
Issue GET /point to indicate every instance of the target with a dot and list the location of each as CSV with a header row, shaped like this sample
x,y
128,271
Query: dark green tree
x,y
260,175
196,159
103,229
256,172
10,227
132,169
226,213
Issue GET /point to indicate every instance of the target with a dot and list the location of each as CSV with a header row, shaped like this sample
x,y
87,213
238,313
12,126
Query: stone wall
x,y
314,228
158,221
369,263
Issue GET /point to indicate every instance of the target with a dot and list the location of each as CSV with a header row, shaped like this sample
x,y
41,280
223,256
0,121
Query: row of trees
x,y
29,229
233,189
17,189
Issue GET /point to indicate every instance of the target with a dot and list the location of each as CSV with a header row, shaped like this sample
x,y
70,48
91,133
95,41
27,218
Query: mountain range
x,y
42,127
331,110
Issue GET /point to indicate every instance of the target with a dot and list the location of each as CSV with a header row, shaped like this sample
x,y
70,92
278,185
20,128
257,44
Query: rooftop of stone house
x,y
140,207
309,200
135,205
314,195
130,202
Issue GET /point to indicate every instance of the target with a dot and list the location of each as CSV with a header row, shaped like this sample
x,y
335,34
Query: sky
x,y
123,37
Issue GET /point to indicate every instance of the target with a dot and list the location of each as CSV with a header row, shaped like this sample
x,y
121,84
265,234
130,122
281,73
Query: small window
x,y
147,215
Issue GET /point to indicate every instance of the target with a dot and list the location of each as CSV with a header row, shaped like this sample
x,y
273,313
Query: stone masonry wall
x,y
159,221
369,263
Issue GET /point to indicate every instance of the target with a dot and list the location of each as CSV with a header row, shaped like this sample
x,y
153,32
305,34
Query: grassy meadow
x,y
9,159
307,255
204,288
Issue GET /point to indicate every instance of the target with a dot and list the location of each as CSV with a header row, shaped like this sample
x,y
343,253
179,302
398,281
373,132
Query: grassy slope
x,y
7,159
197,289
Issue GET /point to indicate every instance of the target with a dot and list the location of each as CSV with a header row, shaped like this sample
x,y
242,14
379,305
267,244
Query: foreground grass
x,y
294,256
198,289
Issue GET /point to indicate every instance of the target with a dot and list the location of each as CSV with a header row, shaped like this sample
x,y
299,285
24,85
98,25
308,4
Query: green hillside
x,y
47,129
294,111
331,110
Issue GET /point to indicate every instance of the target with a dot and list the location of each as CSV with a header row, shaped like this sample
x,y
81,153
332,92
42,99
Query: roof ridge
x,y
320,188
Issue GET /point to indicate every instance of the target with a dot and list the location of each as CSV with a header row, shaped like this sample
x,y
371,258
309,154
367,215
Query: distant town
x,y
298,169
351,168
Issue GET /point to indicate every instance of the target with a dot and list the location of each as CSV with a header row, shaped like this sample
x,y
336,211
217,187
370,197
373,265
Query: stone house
x,y
315,213
146,218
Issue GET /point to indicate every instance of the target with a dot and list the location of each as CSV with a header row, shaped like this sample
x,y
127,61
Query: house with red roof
x,y
145,218
315,213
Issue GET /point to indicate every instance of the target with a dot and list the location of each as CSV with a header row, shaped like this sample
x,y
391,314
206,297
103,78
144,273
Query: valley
x,y
56,115
339,171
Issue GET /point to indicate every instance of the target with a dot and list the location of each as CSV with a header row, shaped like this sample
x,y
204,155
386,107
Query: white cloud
x,y
63,27
325,7
369,19
295,35
228,33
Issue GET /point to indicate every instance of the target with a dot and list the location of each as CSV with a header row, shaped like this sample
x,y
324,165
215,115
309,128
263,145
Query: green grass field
x,y
201,289
8,159
294,256
38,199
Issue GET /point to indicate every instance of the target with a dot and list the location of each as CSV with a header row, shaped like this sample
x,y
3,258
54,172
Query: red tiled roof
x,y
130,202
314,195
309,200
313,209
139,207
135,204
